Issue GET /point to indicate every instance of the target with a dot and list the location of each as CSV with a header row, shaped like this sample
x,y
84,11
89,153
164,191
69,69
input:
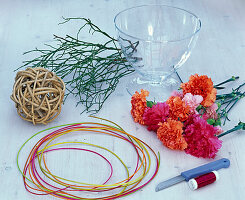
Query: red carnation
x,y
152,116
200,137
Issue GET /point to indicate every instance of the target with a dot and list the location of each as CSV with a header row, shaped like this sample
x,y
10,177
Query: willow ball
x,y
38,95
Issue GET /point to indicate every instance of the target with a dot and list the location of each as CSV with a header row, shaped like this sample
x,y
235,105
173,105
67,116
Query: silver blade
x,y
169,182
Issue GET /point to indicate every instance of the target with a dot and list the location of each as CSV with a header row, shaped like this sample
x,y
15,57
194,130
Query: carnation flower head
x,y
190,120
178,110
211,112
177,94
219,130
193,101
157,113
170,133
201,139
200,85
138,102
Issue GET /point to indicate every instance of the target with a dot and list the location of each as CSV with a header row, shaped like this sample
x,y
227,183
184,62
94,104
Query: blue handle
x,y
215,165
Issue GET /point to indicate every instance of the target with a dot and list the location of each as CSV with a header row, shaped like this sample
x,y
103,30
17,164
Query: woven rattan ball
x,y
38,94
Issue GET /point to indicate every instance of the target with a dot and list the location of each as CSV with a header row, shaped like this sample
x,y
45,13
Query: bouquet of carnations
x,y
190,119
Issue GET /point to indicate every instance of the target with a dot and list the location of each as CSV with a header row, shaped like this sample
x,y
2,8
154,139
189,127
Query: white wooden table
x,y
219,53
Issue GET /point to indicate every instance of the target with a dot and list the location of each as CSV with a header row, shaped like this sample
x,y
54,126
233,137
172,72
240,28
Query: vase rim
x,y
199,24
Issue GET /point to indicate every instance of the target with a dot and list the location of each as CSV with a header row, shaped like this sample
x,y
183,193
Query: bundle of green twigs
x,y
91,71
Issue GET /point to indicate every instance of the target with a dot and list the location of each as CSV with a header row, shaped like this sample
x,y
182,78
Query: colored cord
x,y
40,180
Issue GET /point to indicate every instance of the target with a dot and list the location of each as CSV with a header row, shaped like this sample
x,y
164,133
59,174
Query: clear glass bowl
x,y
156,40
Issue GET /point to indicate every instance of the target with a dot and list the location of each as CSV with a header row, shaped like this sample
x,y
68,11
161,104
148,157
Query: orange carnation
x,y
170,133
178,110
138,102
201,85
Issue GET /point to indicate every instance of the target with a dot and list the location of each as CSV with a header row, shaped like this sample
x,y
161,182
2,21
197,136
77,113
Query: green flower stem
x,y
228,95
238,88
219,88
240,126
235,100
230,100
234,103
229,131
233,78
225,113
177,74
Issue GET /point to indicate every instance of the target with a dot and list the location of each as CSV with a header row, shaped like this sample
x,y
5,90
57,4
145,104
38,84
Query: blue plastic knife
x,y
195,172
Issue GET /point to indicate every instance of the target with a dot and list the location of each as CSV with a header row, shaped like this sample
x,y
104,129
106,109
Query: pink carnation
x,y
193,101
219,130
211,112
201,139
177,94
152,116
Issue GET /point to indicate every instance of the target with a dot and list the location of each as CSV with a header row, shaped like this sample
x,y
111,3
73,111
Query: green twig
x,y
91,71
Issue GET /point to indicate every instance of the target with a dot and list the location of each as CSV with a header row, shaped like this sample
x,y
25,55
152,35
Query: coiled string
x,y
39,180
